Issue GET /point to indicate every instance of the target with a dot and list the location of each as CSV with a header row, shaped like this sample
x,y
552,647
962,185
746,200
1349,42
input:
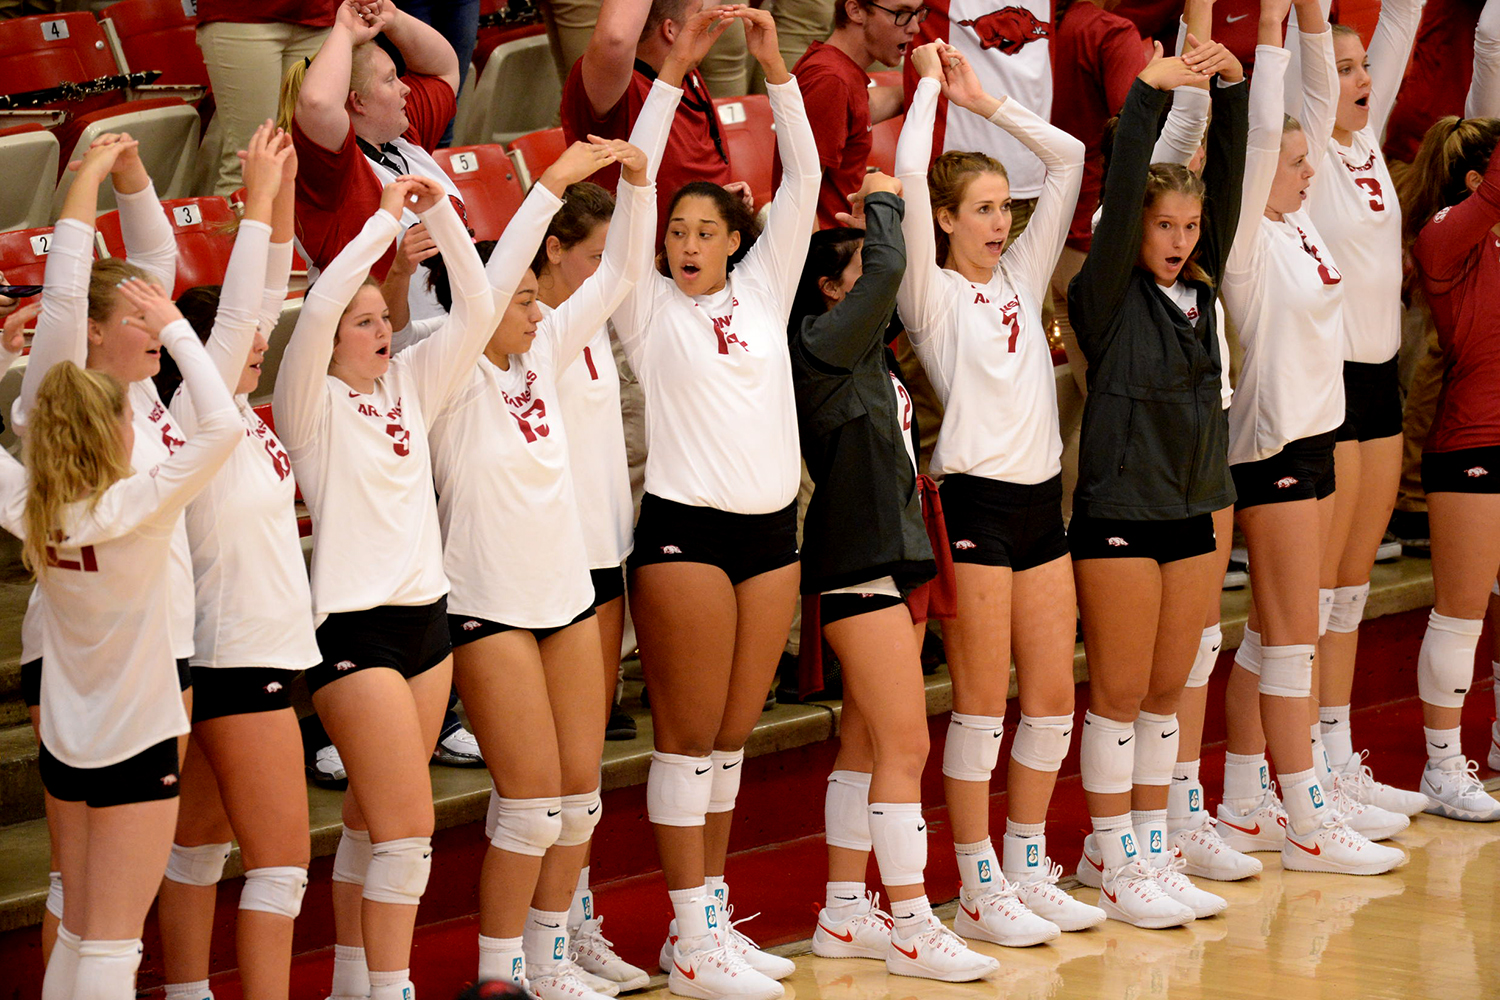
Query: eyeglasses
x,y
901,18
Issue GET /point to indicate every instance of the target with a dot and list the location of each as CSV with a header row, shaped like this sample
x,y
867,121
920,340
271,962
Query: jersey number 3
x,y
1371,186
530,420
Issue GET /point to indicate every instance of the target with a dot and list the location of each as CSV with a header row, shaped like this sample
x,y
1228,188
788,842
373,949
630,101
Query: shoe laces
x,y
940,937
1466,776
725,955
1139,876
1271,803
737,940
874,912
564,975
1168,870
1338,827
591,934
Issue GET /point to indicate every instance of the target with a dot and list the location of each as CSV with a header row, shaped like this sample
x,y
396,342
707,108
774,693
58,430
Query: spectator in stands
x,y
457,21
247,49
242,777
839,97
607,86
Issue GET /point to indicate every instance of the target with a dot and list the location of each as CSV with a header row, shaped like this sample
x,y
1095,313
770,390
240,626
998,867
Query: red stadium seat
x,y
23,256
157,35
512,62
750,141
883,144
27,152
489,184
535,152
204,231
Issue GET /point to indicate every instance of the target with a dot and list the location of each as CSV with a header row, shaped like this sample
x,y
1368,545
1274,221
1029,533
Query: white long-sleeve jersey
x,y
254,606
1281,287
62,334
362,459
110,689
721,419
588,391
983,345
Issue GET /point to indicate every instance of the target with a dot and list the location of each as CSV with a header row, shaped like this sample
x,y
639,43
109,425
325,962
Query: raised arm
x,y
1390,51
610,57
1484,88
423,48
1224,174
921,295
321,111
1444,247
1263,145
857,323
1320,80
279,253
149,243
1182,133
302,379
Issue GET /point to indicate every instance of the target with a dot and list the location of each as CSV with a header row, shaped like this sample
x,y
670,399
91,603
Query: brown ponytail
x,y
1451,148
947,182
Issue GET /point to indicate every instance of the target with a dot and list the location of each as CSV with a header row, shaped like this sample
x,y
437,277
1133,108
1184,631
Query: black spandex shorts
x,y
1163,541
608,584
463,629
147,777
836,607
221,691
742,545
408,640
993,523
1302,470
1372,401
1469,470
31,680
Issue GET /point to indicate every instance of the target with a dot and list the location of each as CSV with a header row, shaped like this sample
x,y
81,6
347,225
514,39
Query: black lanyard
x,y
386,155
696,100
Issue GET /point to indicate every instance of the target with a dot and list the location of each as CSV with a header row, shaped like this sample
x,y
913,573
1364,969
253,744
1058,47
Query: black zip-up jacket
x,y
865,517
1155,440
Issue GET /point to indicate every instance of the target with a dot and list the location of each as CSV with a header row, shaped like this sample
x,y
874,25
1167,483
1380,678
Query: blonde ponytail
x,y
291,86
73,451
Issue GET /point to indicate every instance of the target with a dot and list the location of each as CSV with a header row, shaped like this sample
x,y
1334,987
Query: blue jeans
x,y
457,21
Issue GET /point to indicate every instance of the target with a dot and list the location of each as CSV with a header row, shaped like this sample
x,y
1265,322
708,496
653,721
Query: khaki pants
x,y
245,65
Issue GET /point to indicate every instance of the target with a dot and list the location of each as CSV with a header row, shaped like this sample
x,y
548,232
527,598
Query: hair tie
x,y
306,61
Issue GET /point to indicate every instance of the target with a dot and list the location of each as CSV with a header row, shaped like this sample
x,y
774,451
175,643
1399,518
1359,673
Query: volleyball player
x,y
1456,213
242,779
1353,203
527,645
865,546
973,315
99,537
1152,470
354,422
1286,410
713,576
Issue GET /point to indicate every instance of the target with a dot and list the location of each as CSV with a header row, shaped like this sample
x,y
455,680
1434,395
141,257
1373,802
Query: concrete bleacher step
x,y
460,795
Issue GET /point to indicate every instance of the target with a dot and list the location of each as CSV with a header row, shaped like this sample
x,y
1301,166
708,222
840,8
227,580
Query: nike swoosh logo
x,y
909,954
971,914
687,973
553,812
846,937
1237,17
1439,746
1127,739
1109,896
1247,832
1314,850
1098,865
1168,736
1176,777
847,898
998,733
728,766
593,808
922,827
553,926
704,770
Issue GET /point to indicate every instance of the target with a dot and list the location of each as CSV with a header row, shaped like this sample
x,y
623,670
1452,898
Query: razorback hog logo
x,y
1286,481
273,687
1476,472
1008,29
963,543
671,550
1117,541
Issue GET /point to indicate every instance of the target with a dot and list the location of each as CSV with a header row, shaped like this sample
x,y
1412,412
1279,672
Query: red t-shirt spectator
x,y
1096,57
1438,77
308,13
836,92
336,189
695,148
1236,23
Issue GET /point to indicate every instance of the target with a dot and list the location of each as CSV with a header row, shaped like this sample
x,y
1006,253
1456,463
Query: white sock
x,y
1442,744
1305,800
582,907
1338,738
1246,778
106,969
697,915
978,866
189,991
545,939
62,967
1151,831
351,976
392,985
1322,763
842,900
502,958
911,916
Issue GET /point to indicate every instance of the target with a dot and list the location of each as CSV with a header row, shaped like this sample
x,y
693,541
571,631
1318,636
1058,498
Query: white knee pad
x,y
1042,741
1156,739
728,766
1209,645
1348,608
679,789
398,871
275,890
55,894
527,826
1325,609
1445,667
352,859
1108,749
972,747
580,814
202,865
1247,656
900,837
846,810
1286,671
